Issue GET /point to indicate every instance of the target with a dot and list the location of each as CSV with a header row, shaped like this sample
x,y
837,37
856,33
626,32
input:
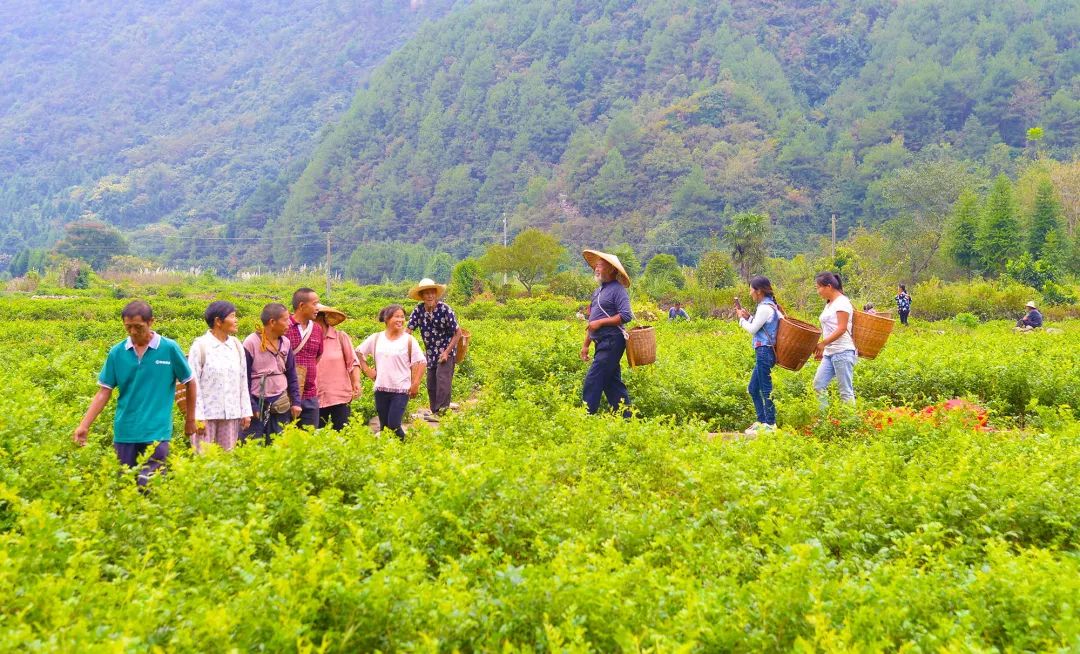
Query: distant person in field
x,y
306,337
1033,319
609,312
399,367
339,373
903,303
217,359
271,373
677,311
762,326
145,369
440,332
837,348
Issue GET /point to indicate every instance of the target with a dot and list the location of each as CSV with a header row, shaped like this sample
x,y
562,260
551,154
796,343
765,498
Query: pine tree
x,y
999,235
1044,218
963,232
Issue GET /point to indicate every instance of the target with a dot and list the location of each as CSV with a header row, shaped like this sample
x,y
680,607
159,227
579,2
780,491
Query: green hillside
x,y
164,118
651,122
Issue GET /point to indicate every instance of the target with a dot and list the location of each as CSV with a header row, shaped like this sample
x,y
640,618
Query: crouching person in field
x,y
144,368
271,373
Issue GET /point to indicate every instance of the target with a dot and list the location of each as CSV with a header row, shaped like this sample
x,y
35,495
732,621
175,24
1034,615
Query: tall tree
x,y
963,232
532,256
93,242
999,234
745,237
1045,218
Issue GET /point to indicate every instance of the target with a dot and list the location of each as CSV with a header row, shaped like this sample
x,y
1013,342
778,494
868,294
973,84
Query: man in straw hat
x,y
608,313
1032,320
339,374
440,332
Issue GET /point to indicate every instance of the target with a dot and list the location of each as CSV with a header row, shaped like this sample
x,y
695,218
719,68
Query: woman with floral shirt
x,y
439,330
903,303
217,360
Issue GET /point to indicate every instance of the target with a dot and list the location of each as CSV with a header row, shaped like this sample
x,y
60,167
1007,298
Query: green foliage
x,y
93,242
963,232
572,284
663,276
514,524
1045,218
969,320
714,270
390,262
532,256
998,239
466,280
746,236
440,267
628,258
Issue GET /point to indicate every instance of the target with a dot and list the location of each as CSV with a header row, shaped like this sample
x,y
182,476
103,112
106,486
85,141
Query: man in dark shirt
x,y
1033,318
609,311
439,329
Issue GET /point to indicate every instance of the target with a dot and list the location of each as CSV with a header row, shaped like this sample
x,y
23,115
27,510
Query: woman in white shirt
x,y
762,328
399,367
223,405
837,349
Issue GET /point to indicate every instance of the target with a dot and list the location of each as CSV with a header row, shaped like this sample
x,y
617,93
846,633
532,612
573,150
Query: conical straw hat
x,y
425,284
591,257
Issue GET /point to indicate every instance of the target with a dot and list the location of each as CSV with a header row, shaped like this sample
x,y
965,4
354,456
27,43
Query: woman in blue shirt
x,y
762,327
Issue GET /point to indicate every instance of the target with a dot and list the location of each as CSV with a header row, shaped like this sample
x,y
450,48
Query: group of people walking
x,y
300,367
297,367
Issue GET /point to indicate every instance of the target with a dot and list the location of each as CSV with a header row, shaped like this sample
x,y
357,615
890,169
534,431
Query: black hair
x,y
300,296
868,306
385,314
762,283
220,309
272,311
138,309
829,279
903,288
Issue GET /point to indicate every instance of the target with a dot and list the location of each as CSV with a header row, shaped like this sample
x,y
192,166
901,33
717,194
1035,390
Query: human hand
x,y
414,390
585,353
593,325
357,391
819,351
190,428
444,356
79,436
245,422
742,313
370,374
295,411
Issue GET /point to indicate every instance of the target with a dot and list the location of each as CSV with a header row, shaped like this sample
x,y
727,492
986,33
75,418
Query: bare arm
x,y
97,405
842,318
189,417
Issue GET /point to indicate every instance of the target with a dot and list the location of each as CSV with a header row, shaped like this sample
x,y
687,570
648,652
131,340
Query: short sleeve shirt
x,y
147,388
829,323
437,328
394,360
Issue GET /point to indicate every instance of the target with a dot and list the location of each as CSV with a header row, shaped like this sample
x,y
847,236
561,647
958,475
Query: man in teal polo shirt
x,y
144,368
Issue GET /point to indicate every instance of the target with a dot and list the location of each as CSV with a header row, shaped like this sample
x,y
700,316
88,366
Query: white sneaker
x,y
754,429
769,428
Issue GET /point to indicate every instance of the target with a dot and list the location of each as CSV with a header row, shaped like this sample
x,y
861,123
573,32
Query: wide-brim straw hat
x,y
591,257
1030,305
425,284
334,317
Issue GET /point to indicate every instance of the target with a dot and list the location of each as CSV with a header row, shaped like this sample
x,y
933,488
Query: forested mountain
x,y
165,117
651,122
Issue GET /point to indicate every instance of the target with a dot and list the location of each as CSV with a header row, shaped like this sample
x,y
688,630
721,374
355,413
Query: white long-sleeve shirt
x,y
762,315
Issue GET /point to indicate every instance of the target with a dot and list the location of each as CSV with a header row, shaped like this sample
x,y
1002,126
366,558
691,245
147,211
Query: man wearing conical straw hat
x,y
608,313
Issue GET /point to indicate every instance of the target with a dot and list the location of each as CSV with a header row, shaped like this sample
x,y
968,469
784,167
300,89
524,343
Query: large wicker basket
x,y
641,346
795,342
870,331
462,346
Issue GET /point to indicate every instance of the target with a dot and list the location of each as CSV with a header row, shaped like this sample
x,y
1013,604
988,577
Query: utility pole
x,y
504,242
328,265
834,235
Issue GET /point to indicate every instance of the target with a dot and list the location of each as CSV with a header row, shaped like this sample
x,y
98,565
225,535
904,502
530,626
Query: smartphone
x,y
738,305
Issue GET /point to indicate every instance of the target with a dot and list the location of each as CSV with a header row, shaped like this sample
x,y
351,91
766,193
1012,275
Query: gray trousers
x,y
440,379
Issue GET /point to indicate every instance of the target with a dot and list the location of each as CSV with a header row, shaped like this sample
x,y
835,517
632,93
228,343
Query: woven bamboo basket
x,y
870,331
181,398
462,346
641,346
795,342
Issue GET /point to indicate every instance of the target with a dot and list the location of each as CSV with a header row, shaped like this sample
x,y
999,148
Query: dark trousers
x,y
337,416
391,410
267,424
130,453
903,316
440,379
605,375
760,387
309,413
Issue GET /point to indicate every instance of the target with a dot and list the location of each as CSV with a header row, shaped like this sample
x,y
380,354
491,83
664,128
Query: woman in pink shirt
x,y
339,378
399,367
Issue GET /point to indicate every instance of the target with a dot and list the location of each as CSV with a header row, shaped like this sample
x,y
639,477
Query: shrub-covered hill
x,y
650,122
171,112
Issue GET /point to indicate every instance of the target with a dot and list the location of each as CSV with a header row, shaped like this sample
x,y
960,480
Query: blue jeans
x,y
391,409
605,375
760,387
841,366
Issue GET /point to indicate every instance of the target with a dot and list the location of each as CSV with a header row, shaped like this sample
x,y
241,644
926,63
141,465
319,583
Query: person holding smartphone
x,y
762,326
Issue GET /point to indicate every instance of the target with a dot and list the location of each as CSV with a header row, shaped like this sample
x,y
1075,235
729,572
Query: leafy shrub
x,y
968,320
